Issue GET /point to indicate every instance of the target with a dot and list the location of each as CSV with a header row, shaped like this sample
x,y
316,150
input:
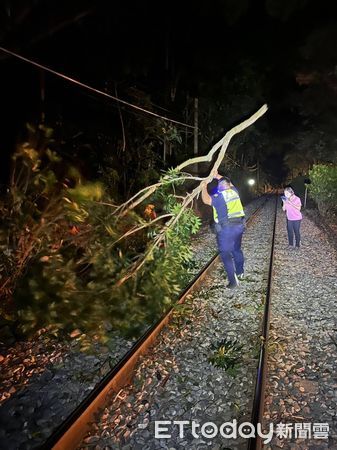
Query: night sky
x,y
239,52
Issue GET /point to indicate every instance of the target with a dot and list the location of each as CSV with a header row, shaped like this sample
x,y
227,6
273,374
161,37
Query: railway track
x,y
260,386
71,432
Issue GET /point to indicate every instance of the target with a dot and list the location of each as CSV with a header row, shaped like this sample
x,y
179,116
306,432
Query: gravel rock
x,y
303,335
195,389
44,379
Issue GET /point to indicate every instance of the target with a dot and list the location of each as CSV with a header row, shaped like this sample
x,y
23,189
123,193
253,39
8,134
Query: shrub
x,y
323,187
63,258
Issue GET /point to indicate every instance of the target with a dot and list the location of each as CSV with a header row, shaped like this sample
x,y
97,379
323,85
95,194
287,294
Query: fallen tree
x,y
72,258
186,200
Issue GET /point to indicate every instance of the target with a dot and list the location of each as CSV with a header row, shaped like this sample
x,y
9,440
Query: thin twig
x,y
149,190
148,224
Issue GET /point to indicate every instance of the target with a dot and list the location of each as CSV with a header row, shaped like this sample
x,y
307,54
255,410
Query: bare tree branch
x,y
147,191
223,145
225,140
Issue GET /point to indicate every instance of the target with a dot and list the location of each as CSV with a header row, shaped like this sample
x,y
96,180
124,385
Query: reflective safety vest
x,y
233,203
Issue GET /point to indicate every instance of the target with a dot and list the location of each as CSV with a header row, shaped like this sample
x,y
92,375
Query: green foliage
x,y
172,175
181,314
226,355
62,265
32,209
169,131
323,187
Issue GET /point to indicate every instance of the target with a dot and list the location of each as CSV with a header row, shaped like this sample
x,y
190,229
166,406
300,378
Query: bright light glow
x,y
251,182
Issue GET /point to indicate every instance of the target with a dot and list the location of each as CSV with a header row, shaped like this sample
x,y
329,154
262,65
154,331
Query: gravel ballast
x,y
44,379
177,381
302,375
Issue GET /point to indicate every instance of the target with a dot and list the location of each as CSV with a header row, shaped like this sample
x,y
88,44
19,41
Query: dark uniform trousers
x,y
229,244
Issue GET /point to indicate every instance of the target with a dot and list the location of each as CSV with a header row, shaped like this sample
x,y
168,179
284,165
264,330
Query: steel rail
x,y
255,443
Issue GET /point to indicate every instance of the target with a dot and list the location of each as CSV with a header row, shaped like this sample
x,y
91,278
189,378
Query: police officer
x,y
229,224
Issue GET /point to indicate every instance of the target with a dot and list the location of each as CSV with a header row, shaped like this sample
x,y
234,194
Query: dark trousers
x,y
293,228
229,244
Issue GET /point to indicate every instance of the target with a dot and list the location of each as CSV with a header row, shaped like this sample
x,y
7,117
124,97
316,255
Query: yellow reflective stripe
x,y
230,194
233,199
236,214
233,203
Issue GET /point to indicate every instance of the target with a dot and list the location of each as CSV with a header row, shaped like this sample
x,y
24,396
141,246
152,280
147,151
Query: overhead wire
x,y
92,89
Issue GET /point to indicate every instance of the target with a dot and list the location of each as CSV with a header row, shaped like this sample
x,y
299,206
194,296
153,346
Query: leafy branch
x,y
186,200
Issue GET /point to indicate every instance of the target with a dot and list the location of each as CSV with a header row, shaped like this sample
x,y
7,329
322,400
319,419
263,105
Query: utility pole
x,y
196,123
196,129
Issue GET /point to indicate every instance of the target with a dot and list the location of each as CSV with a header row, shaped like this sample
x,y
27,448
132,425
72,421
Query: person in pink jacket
x,y
292,207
